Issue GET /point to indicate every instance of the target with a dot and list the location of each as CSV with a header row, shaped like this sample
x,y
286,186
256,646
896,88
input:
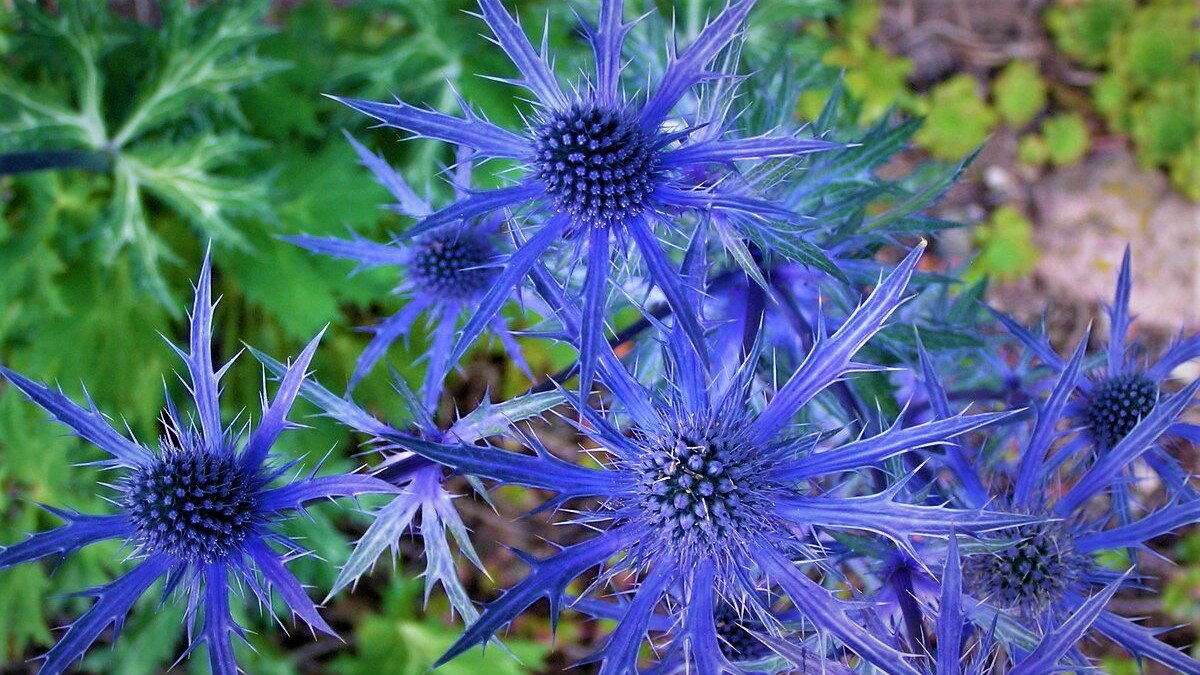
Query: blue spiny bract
x,y
1111,401
701,493
1040,575
425,504
603,166
448,270
200,513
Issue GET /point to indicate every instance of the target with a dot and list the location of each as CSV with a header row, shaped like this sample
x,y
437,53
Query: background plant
x,y
237,146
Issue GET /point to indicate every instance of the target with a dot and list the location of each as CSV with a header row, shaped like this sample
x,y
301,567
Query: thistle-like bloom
x,y
1039,575
957,653
600,167
448,270
423,503
1114,398
705,496
200,512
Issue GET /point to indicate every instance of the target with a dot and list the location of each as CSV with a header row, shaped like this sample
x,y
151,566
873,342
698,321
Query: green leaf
x,y
958,119
1067,138
875,77
1020,93
1032,150
108,334
129,227
156,102
150,641
797,249
324,194
1159,43
1185,170
1006,248
1085,29
204,55
1111,93
398,642
184,176
22,612
1168,120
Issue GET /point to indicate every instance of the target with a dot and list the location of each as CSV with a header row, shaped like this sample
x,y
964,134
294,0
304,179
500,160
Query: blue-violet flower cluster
x,y
783,445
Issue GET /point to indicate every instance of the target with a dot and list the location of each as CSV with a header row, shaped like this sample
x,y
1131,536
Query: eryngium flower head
x,y
424,503
1112,400
600,165
192,504
1116,404
1037,575
595,163
1033,567
703,495
448,270
201,512
968,644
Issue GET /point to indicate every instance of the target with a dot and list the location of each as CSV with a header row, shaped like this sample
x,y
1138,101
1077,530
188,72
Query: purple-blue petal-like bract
x,y
603,169
200,512
704,492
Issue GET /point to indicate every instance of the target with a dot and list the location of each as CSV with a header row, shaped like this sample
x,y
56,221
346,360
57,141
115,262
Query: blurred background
x,y
172,124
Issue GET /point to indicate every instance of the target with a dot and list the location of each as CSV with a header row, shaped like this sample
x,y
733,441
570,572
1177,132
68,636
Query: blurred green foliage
x,y
957,119
1066,138
1149,78
1020,93
399,640
874,77
1006,248
1147,84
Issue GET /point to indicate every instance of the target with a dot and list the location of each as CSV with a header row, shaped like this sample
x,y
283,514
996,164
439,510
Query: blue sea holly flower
x,y
424,505
963,648
1112,399
1031,577
200,512
448,271
599,165
704,496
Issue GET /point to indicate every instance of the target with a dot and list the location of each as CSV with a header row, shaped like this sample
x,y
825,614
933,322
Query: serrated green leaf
x,y
205,55
183,175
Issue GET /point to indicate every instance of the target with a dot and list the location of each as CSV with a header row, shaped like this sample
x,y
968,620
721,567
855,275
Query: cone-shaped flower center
x,y
194,505
699,488
597,164
1117,404
737,641
1031,572
452,263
